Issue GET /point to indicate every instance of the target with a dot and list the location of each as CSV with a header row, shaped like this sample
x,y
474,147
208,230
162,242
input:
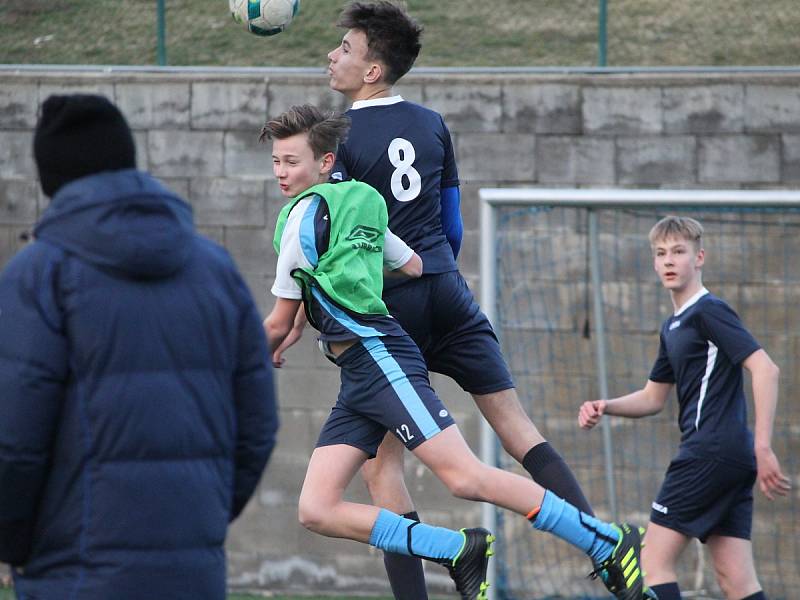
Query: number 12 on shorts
x,y
404,433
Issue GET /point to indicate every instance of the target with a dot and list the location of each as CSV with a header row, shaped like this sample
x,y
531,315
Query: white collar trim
x,y
376,102
693,300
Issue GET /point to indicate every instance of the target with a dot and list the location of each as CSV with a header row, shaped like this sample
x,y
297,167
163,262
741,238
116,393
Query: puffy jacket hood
x,y
125,220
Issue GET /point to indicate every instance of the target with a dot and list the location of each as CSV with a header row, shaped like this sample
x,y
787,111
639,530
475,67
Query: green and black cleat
x,y
621,572
468,569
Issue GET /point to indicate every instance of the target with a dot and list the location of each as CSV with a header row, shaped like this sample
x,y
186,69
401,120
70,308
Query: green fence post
x,y
161,49
601,33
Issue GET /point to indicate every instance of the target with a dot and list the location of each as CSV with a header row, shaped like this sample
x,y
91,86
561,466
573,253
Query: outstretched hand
x,y
771,479
590,413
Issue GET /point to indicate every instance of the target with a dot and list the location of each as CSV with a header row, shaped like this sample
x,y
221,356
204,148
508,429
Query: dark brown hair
x,y
393,37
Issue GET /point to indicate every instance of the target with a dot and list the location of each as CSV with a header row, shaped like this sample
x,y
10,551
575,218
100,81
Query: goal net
x,y
568,281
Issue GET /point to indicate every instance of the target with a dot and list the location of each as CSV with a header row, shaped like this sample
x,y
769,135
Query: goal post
x,y
567,282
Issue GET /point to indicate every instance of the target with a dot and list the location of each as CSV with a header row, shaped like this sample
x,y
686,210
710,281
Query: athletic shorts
x,y
385,387
702,497
440,314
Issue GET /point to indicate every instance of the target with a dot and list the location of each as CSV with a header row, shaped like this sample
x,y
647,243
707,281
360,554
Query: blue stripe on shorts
x,y
343,318
402,387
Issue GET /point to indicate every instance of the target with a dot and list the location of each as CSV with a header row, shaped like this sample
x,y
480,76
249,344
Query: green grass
x,y
6,594
279,597
250,597
500,33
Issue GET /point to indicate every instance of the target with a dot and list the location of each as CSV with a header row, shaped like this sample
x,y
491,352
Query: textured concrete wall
x,y
198,133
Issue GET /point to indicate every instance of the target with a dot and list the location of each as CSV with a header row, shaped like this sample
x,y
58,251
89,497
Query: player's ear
x,y
700,258
326,162
374,74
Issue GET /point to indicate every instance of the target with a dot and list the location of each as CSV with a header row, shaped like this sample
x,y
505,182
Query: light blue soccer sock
x,y
394,533
597,538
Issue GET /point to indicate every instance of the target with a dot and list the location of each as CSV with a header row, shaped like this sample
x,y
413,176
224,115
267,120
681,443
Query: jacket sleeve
x,y
256,407
33,374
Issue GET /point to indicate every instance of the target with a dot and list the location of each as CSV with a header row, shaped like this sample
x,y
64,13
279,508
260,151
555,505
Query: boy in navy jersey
x,y
404,150
332,249
707,492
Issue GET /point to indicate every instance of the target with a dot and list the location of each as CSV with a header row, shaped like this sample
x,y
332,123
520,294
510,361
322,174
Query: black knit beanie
x,y
78,135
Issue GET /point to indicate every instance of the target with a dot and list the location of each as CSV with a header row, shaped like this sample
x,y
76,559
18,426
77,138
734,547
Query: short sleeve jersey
x,y
331,251
702,347
405,152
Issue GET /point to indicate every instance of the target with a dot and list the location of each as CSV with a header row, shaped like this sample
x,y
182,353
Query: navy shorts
x,y
385,387
440,314
701,497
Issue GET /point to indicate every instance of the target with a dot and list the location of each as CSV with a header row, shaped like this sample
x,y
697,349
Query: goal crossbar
x,y
620,198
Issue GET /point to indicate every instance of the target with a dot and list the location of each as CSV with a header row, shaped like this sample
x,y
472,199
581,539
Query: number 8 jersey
x,y
405,152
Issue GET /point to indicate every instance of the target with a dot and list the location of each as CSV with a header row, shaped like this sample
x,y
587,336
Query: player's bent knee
x,y
467,479
311,521
463,485
311,515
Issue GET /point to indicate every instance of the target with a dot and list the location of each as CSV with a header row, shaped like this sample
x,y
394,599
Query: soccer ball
x,y
264,17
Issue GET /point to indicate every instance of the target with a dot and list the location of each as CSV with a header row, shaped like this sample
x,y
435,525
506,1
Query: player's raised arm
x,y
765,376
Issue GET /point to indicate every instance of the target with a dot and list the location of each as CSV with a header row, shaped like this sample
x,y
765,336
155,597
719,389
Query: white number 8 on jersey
x,y
402,155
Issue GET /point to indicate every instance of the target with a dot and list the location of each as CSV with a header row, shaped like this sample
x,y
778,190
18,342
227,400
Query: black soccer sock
x,y
757,596
549,470
405,572
667,591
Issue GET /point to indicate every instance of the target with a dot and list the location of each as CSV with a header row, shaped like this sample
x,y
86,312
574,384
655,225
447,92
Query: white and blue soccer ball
x,y
264,17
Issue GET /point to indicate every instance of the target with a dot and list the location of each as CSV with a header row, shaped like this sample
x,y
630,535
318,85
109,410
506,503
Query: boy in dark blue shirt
x,y
707,492
404,150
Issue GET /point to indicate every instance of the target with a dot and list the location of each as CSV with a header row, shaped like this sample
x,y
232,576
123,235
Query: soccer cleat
x,y
620,572
468,569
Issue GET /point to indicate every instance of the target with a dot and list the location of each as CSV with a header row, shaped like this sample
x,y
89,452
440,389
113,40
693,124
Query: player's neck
x,y
372,92
680,297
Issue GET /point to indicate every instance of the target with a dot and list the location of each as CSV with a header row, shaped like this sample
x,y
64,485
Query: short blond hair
x,y
673,226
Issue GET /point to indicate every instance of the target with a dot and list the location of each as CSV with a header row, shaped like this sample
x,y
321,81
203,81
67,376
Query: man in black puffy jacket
x,y
137,409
